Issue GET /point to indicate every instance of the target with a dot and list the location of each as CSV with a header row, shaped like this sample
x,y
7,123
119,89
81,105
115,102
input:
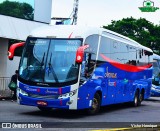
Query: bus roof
x,y
74,31
64,31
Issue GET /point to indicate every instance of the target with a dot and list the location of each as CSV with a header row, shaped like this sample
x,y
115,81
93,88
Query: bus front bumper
x,y
54,103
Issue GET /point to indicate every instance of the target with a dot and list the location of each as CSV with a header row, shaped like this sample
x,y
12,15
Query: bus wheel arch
x,y
96,103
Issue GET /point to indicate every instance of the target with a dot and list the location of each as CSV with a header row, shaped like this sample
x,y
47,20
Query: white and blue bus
x,y
73,67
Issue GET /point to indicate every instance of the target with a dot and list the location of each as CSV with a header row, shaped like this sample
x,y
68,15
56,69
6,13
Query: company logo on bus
x,y
111,75
51,92
31,89
43,84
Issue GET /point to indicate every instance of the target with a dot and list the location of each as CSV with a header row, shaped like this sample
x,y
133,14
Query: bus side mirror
x,y
12,49
80,53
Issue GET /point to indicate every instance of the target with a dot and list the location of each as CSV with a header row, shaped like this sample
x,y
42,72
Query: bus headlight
x,y
20,91
70,94
153,88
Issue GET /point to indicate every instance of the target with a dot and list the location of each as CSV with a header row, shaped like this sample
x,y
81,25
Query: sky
x,y
102,12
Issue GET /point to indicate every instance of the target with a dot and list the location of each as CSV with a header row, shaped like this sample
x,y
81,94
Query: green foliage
x,y
19,10
140,30
16,9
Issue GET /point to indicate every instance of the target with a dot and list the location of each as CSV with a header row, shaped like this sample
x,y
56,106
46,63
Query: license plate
x,y
42,103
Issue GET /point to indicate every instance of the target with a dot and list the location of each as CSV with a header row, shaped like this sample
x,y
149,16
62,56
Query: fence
x,y
4,90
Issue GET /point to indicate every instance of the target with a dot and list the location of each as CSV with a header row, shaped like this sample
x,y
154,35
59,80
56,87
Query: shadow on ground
x,y
73,114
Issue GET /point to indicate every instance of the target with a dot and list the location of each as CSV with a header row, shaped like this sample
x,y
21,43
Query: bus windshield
x,y
156,73
156,68
49,60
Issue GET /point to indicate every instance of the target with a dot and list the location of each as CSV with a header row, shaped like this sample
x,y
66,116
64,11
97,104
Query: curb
x,y
5,98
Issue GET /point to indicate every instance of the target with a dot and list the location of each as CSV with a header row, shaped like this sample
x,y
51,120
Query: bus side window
x,y
90,65
84,65
84,68
87,66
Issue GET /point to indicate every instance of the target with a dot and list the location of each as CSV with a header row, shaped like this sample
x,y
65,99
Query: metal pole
x,y
75,12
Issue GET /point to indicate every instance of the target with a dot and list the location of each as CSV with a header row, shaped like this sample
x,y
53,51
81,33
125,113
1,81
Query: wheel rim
x,y
95,104
136,100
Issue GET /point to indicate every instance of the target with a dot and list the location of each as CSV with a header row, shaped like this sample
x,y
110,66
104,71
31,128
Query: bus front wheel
x,y
95,107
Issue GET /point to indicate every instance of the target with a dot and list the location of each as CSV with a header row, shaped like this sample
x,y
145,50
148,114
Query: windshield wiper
x,y
42,62
52,70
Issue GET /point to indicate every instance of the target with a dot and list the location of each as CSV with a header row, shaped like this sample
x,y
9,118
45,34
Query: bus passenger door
x,y
87,67
105,57
111,89
121,56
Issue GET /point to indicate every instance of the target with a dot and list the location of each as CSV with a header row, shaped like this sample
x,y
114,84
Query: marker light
x,y
79,58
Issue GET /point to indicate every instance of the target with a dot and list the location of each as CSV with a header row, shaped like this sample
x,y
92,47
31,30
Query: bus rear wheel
x,y
136,102
95,107
141,98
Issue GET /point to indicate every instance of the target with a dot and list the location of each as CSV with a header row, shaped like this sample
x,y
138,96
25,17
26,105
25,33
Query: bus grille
x,y
43,96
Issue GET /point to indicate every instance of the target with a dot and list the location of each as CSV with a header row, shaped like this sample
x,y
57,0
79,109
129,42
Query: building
x,y
19,29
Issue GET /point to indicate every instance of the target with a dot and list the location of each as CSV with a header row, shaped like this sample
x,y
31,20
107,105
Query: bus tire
x,y
135,102
95,107
45,109
141,98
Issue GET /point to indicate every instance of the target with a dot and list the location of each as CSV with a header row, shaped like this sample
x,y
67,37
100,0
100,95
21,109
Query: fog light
x,y
70,94
69,102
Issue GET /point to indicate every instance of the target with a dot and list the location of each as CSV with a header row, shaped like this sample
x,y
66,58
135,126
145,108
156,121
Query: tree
x,y
17,9
140,30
